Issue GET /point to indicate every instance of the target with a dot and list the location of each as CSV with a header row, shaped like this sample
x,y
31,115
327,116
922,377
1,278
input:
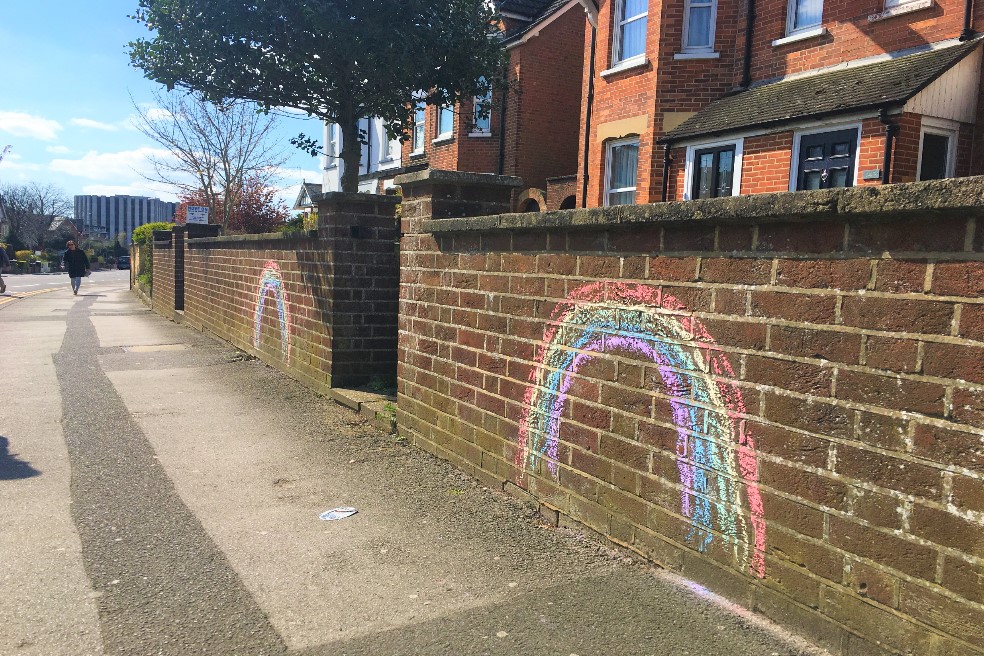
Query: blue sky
x,y
65,102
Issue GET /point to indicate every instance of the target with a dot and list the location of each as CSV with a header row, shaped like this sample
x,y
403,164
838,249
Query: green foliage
x,y
294,225
339,61
145,233
24,256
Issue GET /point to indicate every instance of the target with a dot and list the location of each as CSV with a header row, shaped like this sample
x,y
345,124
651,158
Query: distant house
x,y
714,98
380,161
531,130
306,202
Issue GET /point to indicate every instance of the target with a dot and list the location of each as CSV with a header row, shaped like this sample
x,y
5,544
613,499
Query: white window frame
x,y
944,128
896,3
687,6
331,145
792,30
419,127
617,60
688,175
444,136
609,146
486,131
832,127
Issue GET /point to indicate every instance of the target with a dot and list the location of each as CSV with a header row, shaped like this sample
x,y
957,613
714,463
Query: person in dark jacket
x,y
77,264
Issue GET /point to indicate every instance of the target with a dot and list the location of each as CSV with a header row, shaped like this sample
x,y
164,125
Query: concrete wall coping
x,y
460,178
264,236
343,197
876,202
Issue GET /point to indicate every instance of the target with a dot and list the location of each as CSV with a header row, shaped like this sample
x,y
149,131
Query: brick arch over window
x,y
529,197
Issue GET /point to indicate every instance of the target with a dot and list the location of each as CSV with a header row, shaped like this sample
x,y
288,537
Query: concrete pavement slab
x,y
47,606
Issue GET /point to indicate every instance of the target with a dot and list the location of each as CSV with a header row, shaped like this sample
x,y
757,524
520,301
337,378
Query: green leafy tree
x,y
338,60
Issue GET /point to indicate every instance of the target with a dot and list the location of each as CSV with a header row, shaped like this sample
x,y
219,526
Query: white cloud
x,y
113,168
58,150
12,162
135,189
94,125
20,124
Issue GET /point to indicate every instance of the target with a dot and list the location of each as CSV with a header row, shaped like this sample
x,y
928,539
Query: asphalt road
x,y
160,494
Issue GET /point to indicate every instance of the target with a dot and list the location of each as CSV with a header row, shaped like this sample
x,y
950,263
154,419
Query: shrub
x,y
145,233
24,256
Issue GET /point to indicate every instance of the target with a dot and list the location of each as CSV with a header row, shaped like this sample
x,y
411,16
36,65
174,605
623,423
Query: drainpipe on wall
x,y
746,69
667,160
587,117
502,123
891,130
968,31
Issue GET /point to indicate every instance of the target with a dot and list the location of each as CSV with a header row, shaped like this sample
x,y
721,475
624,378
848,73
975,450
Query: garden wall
x,y
781,396
320,305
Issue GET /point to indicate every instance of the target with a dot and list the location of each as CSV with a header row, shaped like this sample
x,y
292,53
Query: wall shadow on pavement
x,y
11,467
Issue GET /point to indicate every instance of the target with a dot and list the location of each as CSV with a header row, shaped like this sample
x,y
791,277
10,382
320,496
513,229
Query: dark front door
x,y
826,160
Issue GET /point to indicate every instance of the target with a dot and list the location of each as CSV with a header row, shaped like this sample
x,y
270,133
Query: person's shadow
x,y
11,467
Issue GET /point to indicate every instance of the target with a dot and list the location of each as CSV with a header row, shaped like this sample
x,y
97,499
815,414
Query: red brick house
x,y
531,130
705,98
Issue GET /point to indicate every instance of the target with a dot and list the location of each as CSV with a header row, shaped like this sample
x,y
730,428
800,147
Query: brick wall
x,y
320,306
782,400
164,274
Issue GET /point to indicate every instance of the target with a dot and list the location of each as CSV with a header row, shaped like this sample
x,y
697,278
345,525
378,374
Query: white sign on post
x,y
197,214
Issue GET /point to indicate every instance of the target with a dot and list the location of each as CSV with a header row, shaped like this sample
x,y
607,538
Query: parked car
x,y
123,262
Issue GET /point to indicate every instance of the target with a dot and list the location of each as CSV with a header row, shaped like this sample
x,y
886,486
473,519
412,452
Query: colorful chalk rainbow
x,y
715,453
272,280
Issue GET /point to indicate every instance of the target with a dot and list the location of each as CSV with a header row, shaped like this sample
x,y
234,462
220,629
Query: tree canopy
x,y
251,207
338,60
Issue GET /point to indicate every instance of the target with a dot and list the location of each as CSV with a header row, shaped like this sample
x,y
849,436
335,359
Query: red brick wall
x,y
337,323
163,277
831,355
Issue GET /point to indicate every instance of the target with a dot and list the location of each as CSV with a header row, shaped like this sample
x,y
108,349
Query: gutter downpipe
x,y
968,32
587,112
746,70
667,160
502,122
891,130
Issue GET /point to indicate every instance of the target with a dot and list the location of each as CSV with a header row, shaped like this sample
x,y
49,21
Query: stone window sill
x,y
627,65
899,10
697,55
443,140
800,36
480,135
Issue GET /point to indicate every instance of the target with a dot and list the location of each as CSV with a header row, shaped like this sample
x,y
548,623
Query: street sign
x,y
197,214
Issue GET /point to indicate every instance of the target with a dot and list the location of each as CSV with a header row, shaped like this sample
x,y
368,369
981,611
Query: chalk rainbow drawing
x,y
715,453
271,280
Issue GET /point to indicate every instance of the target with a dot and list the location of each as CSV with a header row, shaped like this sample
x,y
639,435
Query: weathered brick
x,y
891,353
945,528
900,276
958,279
873,583
897,314
808,308
968,406
819,417
958,361
789,445
949,446
824,274
893,473
883,548
791,375
806,485
946,614
744,271
876,508
893,392
837,346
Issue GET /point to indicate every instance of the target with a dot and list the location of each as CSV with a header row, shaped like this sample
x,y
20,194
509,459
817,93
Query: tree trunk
x,y
351,151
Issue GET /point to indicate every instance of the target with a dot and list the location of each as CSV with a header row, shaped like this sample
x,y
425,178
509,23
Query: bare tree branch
x,y
213,148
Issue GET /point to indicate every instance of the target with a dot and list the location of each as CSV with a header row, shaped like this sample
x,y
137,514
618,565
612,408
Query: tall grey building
x,y
108,216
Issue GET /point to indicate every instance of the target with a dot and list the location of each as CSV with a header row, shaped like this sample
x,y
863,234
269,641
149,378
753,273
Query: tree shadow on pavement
x,y
11,467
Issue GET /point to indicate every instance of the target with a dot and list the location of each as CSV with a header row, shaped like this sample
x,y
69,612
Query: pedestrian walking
x,y
4,264
77,264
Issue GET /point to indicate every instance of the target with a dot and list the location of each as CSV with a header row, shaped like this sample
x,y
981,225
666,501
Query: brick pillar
x,y
360,276
434,194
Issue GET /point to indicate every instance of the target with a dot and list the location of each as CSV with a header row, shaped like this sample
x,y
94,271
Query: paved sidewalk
x,y
175,511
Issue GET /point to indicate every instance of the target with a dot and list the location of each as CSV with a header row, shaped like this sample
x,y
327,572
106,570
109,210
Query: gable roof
x,y
887,83
542,10
305,197
529,8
